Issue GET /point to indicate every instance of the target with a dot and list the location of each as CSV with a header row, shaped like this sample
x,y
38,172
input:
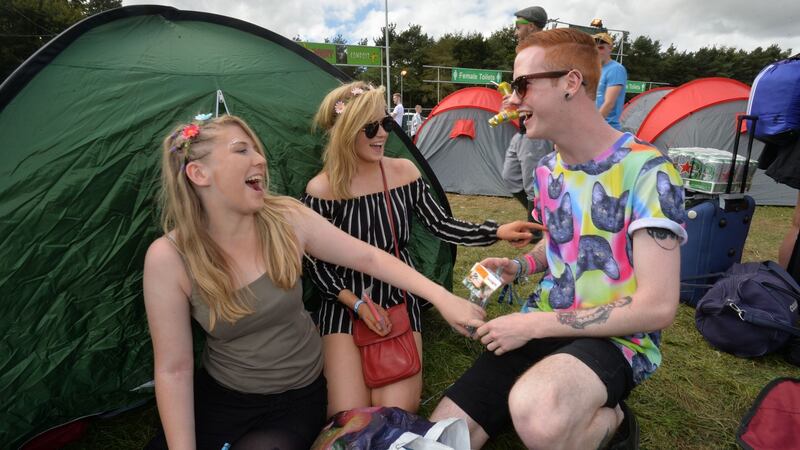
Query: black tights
x,y
271,439
286,421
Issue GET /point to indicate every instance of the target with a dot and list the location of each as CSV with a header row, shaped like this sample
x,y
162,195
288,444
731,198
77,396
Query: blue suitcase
x,y
716,241
717,228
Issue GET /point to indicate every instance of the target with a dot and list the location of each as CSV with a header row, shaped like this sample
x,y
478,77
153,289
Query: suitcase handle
x,y
750,135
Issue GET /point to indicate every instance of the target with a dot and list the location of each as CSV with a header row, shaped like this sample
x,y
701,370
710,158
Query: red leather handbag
x,y
390,358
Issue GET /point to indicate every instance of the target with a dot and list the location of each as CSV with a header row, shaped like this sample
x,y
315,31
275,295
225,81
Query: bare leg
x,y
558,404
447,408
405,393
346,388
787,246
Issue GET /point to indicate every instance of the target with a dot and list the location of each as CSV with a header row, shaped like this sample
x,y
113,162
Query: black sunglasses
x,y
520,84
371,129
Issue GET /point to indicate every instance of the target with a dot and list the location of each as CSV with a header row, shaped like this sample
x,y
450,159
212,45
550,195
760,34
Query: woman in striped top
x,y
349,192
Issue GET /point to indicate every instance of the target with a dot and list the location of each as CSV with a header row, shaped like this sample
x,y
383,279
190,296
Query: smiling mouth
x,y
255,182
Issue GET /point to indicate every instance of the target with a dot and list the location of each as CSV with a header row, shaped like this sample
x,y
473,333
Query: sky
x,y
687,24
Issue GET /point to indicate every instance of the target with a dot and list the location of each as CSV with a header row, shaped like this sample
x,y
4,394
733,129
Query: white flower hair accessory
x,y
338,108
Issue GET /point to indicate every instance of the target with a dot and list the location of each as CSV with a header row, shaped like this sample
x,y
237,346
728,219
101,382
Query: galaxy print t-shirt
x,y
591,211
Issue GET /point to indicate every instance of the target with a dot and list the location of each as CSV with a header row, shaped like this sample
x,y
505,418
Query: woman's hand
x,y
459,313
518,233
508,266
381,324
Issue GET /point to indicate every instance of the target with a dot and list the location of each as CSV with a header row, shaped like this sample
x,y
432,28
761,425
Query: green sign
x,y
353,55
476,76
636,87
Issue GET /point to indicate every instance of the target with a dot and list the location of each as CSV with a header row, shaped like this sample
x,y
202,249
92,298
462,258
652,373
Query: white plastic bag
x,y
447,434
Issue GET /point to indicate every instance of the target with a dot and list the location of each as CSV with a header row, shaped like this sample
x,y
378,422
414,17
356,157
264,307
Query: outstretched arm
x,y
651,307
166,288
450,229
326,242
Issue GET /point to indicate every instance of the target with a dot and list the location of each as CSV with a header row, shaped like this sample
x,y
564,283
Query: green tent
x,y
80,128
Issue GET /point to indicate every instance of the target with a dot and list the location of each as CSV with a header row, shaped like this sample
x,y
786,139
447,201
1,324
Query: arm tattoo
x,y
580,319
665,238
540,256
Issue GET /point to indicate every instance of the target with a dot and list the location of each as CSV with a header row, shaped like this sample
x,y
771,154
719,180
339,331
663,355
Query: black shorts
x,y
223,415
482,392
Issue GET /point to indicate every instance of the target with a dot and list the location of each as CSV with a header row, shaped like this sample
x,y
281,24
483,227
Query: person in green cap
x,y
529,20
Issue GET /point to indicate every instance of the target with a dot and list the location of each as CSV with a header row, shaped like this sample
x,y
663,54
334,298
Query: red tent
x,y
689,98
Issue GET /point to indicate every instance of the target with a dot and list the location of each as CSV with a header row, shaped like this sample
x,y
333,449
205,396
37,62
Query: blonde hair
x,y
568,49
183,215
339,156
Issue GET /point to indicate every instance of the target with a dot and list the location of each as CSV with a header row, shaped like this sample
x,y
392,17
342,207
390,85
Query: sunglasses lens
x,y
388,124
520,85
371,129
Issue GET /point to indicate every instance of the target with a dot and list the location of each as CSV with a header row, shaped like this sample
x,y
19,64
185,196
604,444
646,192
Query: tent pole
x,y
386,41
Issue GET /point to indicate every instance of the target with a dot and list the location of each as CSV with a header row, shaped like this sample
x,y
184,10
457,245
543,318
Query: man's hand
x,y
507,266
505,333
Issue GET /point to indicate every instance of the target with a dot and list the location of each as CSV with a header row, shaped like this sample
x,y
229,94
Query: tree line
x,y
26,25
643,57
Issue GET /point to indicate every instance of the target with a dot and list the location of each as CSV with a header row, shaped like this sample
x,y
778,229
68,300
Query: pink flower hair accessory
x,y
341,105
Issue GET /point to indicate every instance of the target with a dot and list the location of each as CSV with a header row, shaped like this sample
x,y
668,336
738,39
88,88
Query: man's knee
x,y
538,416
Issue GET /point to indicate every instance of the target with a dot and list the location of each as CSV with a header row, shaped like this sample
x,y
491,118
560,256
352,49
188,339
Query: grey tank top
x,y
275,349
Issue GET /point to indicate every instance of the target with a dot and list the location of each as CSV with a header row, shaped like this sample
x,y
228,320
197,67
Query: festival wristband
x,y
358,303
531,263
520,263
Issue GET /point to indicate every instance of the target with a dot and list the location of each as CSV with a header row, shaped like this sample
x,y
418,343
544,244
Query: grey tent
x,y
639,107
465,153
702,113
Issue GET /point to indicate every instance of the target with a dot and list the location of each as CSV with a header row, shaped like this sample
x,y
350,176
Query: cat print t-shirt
x,y
591,211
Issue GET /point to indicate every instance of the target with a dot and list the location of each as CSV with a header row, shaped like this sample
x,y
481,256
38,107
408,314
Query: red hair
x,y
568,49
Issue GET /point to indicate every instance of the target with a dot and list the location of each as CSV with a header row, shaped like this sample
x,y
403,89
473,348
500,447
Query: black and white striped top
x,y
366,218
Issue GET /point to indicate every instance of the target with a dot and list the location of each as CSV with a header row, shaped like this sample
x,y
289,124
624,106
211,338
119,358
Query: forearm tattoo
x,y
665,238
540,256
580,319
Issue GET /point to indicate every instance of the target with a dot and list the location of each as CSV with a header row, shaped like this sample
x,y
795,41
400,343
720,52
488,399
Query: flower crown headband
x,y
341,105
189,134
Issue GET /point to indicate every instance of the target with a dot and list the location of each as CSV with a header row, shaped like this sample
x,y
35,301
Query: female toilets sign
x,y
476,76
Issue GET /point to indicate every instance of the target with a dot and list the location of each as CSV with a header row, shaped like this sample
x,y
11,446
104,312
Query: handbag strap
x,y
391,217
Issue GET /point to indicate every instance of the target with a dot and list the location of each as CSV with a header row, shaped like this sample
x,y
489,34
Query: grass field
x,y
694,401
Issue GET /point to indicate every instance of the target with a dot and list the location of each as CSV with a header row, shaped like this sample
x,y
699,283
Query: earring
x,y
566,95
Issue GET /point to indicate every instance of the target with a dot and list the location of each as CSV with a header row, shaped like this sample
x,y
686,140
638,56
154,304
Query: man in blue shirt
x,y
611,89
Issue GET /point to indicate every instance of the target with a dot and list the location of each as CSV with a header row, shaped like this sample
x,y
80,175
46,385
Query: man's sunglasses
x,y
371,129
520,84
